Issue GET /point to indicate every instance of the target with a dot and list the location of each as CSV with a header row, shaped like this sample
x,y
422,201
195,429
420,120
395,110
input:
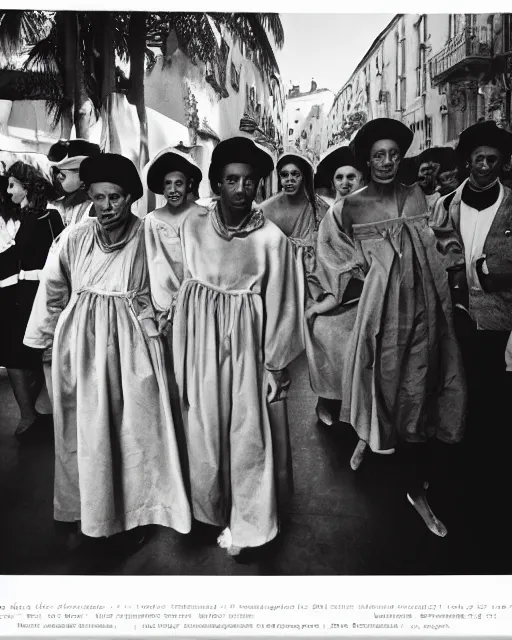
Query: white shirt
x,y
474,229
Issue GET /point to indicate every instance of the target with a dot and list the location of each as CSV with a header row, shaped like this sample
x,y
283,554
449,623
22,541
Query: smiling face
x,y
485,165
69,180
384,160
238,186
110,202
346,180
17,191
291,178
175,188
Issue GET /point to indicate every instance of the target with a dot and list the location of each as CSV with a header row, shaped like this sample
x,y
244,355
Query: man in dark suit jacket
x,y
474,226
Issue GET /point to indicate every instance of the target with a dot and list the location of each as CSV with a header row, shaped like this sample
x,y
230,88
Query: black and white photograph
x,y
255,293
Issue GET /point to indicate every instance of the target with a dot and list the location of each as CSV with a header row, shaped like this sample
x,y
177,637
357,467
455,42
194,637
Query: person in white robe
x,y
117,465
176,176
237,315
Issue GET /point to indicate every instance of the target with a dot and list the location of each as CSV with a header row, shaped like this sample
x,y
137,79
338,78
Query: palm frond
x,y
272,23
19,29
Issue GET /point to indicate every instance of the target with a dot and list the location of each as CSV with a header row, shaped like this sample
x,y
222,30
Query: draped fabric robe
x,y
392,357
117,464
236,319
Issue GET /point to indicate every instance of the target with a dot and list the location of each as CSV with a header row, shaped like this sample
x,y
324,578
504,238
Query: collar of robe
x,y
254,220
480,199
129,229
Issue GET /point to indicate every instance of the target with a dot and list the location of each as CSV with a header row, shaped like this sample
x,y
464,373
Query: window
x,y
421,69
401,71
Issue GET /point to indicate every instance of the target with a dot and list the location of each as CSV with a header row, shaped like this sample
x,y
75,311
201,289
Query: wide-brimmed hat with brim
x,y
333,160
168,160
291,157
484,134
69,154
114,168
242,150
381,129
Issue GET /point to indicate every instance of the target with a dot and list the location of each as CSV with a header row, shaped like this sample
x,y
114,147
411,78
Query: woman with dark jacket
x,y
27,231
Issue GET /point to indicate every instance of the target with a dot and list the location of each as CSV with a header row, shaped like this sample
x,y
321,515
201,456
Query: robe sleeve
x,y
165,264
337,260
449,242
283,323
52,295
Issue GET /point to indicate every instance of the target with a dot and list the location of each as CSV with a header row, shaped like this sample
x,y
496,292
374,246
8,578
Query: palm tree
x,y
81,49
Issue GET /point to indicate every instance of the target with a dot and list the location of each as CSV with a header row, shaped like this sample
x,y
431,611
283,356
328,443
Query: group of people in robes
x,y
168,338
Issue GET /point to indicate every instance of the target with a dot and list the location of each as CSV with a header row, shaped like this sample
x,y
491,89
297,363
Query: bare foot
x,y
225,541
357,456
324,416
419,502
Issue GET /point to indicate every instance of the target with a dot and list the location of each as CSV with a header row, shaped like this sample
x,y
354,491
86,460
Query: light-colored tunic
x,y
392,358
236,317
117,464
302,237
165,262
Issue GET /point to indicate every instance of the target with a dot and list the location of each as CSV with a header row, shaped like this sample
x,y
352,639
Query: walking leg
x,y
26,385
417,468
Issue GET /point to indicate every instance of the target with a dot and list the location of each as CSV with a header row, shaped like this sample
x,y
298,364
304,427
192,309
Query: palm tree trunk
x,y
137,52
104,33
67,25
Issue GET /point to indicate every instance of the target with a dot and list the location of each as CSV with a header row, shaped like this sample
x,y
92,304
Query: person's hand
x,y
278,385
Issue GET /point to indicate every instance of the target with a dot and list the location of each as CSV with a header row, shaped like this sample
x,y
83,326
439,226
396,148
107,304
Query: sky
x,y
326,46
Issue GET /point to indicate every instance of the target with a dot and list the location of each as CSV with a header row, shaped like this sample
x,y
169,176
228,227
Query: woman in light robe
x,y
297,211
174,175
117,466
234,327
402,383
326,339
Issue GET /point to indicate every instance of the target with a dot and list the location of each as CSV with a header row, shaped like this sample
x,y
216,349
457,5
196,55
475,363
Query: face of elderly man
x,y
384,161
484,165
238,186
111,204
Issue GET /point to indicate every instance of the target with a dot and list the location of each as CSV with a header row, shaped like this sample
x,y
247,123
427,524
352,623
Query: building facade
x,y
306,117
437,73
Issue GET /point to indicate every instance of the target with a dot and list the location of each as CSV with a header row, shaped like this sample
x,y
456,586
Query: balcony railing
x,y
471,45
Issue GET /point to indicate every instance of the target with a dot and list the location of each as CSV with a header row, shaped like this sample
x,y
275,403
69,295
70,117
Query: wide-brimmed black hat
x,y
333,160
68,154
238,149
433,154
381,129
290,157
114,168
482,134
171,160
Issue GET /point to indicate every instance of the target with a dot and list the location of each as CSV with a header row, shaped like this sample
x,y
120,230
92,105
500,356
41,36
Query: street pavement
x,y
340,522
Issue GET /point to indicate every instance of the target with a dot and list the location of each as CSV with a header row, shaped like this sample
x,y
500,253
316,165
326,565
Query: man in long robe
x,y
402,384
236,319
116,453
